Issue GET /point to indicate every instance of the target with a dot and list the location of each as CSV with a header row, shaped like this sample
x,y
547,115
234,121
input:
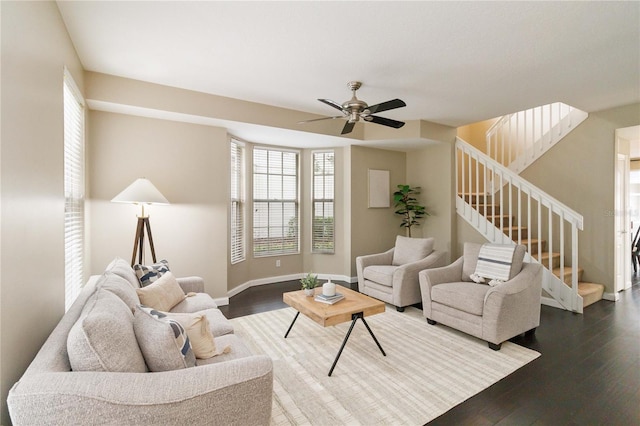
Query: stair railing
x,y
479,177
517,140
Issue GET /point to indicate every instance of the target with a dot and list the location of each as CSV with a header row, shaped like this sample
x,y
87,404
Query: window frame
x,y
237,203
74,151
314,200
270,200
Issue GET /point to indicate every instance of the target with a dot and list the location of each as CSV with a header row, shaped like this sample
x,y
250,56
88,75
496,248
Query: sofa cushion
x,y
381,274
470,261
463,296
194,303
237,349
121,288
147,274
163,294
408,250
162,340
120,267
102,339
218,323
197,327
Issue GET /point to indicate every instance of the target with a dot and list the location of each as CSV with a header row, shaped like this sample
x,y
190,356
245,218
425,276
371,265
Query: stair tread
x,y
585,288
545,255
590,293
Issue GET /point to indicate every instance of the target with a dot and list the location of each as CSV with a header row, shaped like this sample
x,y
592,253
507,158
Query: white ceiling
x,y
453,63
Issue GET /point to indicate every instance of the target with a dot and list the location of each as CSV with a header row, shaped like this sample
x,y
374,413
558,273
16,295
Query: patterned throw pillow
x,y
149,273
163,341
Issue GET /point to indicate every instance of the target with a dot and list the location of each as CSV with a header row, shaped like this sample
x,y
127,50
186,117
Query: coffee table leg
x,y
293,322
372,335
344,342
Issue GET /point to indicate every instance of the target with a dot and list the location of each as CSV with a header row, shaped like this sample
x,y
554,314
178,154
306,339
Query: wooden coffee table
x,y
354,305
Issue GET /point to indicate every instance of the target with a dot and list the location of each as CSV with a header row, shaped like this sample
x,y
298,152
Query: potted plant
x,y
309,283
408,207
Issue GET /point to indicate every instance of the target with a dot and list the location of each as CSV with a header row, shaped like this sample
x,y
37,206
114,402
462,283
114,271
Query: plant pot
x,y
309,292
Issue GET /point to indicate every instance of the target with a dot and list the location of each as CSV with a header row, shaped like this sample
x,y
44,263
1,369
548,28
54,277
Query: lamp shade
x,y
141,191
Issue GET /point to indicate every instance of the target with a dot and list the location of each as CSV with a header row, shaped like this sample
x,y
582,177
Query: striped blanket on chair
x,y
494,263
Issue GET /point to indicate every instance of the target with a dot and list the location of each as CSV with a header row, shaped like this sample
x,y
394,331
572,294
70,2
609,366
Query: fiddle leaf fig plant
x,y
407,206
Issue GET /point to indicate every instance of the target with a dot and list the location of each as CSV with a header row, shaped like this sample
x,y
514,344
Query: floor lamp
x,y
141,192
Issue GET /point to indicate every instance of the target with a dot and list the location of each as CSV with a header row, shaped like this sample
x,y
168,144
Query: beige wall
x,y
432,169
186,162
475,133
35,49
579,171
373,230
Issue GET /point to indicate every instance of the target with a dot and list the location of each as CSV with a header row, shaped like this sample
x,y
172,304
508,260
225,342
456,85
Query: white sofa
x,y
231,388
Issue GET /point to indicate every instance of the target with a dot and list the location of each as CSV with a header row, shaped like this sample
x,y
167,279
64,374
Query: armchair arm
x,y
513,307
431,277
372,259
191,284
406,287
234,392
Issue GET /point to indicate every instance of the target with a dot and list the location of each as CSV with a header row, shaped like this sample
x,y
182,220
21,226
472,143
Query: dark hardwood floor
x,y
588,374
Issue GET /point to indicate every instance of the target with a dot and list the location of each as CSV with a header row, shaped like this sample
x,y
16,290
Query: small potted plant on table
x,y
309,283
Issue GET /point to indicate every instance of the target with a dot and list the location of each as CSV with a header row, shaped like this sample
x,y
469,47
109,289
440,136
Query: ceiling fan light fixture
x,y
354,109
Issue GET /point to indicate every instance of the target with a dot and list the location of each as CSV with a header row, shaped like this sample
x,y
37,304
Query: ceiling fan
x,y
355,109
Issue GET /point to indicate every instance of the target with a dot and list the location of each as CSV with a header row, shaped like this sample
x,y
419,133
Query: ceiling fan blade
x,y
386,106
348,127
331,103
385,121
323,118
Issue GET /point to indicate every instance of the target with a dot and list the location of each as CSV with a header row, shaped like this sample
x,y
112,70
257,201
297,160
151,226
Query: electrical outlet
x,y
278,263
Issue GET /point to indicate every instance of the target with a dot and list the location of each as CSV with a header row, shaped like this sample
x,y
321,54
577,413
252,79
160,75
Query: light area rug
x,y
427,371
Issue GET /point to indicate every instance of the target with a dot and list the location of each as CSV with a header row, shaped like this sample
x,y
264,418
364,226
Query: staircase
x,y
507,209
517,140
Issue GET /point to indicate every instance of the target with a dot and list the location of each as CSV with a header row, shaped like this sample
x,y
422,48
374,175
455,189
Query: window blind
x,y
237,202
275,202
74,190
323,224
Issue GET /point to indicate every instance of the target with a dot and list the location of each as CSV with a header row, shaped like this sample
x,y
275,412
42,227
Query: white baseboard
x,y
222,301
613,297
281,278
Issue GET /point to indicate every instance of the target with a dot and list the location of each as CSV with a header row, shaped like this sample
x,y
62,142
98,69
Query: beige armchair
x,y
494,314
392,276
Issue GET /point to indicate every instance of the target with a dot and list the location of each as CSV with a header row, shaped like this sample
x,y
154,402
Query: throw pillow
x,y
122,268
199,332
494,263
163,294
121,288
163,341
147,274
410,250
102,339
